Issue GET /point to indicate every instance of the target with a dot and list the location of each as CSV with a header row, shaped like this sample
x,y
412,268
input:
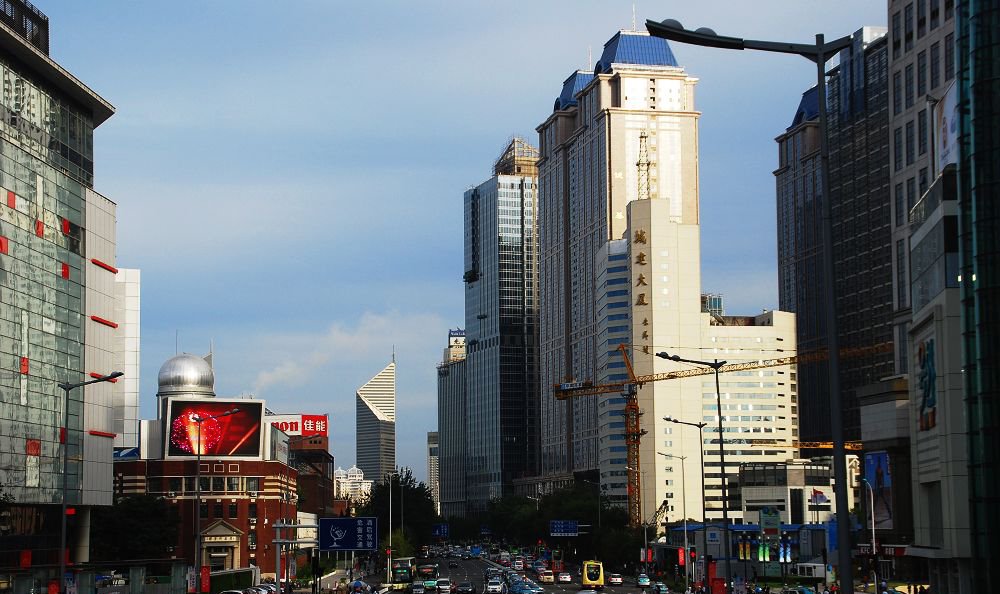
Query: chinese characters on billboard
x,y
305,425
217,435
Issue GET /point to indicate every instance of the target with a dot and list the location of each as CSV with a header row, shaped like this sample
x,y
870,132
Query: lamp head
x,y
115,374
668,356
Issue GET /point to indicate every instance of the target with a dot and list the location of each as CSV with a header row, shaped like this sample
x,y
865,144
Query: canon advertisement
x,y
214,428
305,425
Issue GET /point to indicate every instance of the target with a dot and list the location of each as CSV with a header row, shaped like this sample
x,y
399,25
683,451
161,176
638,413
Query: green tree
x,y
413,514
137,527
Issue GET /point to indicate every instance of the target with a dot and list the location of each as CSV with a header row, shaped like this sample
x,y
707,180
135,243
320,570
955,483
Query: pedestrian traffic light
x,y
694,554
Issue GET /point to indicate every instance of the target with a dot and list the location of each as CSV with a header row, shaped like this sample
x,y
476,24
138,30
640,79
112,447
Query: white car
x,y
564,578
615,579
494,587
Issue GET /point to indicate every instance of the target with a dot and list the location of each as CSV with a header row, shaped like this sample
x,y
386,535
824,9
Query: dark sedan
x,y
465,588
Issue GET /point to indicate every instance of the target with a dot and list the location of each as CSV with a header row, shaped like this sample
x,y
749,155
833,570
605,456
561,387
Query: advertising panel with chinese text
x,y
305,425
210,427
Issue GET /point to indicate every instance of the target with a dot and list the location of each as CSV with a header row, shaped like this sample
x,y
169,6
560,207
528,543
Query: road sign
x,y
563,528
439,531
348,534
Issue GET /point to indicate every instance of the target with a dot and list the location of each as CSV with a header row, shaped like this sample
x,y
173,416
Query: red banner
x,y
206,575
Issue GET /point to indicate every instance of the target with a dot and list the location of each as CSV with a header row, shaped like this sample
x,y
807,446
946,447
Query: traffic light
x,y
694,554
681,557
388,552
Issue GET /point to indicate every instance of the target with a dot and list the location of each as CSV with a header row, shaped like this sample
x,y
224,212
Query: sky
x,y
289,175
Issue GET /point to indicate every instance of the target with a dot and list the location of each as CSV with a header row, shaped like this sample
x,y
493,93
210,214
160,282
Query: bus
x,y
592,575
402,569
428,574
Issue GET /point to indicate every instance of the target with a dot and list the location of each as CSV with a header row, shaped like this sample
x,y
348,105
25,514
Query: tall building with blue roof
x,y
620,263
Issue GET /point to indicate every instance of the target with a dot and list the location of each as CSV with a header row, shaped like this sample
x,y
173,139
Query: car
x,y
642,581
453,563
417,588
444,586
465,588
546,577
614,579
660,588
231,592
494,586
564,578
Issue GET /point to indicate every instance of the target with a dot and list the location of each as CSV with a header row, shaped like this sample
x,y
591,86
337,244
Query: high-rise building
x,y
456,346
451,430
501,312
376,424
57,271
125,392
859,188
621,265
351,484
432,469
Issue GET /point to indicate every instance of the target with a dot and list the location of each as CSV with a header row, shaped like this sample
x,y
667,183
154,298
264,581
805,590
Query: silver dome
x,y
186,374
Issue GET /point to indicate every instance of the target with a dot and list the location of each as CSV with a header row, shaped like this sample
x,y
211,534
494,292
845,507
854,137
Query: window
x,y
935,65
900,201
921,74
921,18
218,484
909,85
252,509
935,14
897,153
897,35
897,92
174,484
949,56
203,508
922,181
189,484
203,484
949,9
908,24
901,273
234,511
253,483
217,509
922,131
233,484
910,143
911,193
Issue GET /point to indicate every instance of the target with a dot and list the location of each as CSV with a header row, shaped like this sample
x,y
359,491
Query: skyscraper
x,y
376,424
451,428
859,188
432,469
501,312
57,278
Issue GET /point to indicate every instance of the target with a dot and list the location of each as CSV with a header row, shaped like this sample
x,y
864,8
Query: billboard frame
x,y
236,402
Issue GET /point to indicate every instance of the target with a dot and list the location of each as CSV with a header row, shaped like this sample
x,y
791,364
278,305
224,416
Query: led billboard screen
x,y
236,435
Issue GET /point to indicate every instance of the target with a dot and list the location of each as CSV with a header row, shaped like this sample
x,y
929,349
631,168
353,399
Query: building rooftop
x,y
808,108
571,86
635,47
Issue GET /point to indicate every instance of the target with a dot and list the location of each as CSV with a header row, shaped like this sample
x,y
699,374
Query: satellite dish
x,y
706,31
672,23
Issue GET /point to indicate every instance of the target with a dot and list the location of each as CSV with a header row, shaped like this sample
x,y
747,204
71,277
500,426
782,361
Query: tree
x,y
136,527
413,514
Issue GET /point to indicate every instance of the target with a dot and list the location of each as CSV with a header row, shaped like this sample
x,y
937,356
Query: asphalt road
x,y
472,571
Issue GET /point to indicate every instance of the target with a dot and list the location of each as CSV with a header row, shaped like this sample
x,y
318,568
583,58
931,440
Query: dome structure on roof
x,y
186,374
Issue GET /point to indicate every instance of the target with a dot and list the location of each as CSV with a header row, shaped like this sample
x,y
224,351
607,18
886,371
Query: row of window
x,y
209,484
916,140
906,29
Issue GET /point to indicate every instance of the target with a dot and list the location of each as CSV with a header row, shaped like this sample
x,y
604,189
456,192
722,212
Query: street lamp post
x,y
197,490
683,459
701,453
66,388
818,53
727,546
871,496
388,561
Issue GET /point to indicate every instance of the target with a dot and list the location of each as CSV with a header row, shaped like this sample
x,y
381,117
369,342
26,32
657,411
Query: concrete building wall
x,y
125,392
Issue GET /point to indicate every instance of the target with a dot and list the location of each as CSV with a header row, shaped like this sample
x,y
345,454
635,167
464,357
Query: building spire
x,y
643,166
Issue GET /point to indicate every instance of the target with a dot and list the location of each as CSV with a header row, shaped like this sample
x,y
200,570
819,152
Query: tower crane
x,y
633,414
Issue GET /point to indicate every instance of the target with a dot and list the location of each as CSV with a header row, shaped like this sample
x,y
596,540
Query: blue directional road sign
x,y
348,534
563,528
439,531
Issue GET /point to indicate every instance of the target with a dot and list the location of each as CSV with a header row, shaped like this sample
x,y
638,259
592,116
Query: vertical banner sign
x,y
880,478
206,576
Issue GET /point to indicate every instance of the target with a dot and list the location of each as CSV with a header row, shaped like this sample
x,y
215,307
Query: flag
x,y
818,497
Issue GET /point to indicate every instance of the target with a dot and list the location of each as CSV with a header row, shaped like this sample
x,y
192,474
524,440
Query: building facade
x,y
501,312
376,424
228,476
352,485
57,271
800,490
452,424
860,197
125,392
433,481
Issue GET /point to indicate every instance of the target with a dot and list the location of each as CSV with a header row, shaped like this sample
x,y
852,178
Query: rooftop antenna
x,y
633,16
643,166
177,341
393,353
590,58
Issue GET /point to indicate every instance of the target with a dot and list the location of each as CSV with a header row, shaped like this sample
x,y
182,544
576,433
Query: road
x,y
472,571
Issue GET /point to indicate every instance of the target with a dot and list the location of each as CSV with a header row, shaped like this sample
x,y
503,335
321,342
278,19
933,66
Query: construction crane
x,y
630,388
809,445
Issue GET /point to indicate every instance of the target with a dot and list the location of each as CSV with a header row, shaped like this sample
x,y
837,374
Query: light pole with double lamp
x,y
818,53
726,545
684,510
197,494
64,436
701,453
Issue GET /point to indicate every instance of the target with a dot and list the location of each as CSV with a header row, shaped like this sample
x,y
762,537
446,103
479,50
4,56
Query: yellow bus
x,y
592,575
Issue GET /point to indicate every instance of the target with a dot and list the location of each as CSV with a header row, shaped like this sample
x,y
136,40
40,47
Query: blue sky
x,y
289,175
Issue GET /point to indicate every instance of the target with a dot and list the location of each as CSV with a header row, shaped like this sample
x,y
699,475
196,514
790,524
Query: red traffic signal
x,y
388,552
680,557
694,555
